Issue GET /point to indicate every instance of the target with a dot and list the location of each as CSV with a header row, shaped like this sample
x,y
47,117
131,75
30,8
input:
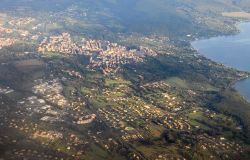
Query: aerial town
x,y
85,98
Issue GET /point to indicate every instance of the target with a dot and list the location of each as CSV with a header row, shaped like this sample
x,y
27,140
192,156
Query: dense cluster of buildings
x,y
51,91
115,55
103,54
6,42
5,30
61,44
20,22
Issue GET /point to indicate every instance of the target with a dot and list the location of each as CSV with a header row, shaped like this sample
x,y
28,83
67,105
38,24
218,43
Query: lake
x,y
233,51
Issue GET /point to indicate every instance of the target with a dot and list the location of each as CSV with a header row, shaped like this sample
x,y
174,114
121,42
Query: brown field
x,y
236,14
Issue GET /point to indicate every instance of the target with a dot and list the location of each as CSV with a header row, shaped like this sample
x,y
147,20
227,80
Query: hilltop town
x,y
103,54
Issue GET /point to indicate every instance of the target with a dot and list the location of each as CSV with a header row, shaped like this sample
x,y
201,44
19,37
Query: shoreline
x,y
233,33
233,83
234,87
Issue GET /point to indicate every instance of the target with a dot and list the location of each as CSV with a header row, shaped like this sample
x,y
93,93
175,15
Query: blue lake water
x,y
233,51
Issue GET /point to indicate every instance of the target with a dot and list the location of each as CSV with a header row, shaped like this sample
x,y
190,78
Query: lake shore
x,y
225,50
